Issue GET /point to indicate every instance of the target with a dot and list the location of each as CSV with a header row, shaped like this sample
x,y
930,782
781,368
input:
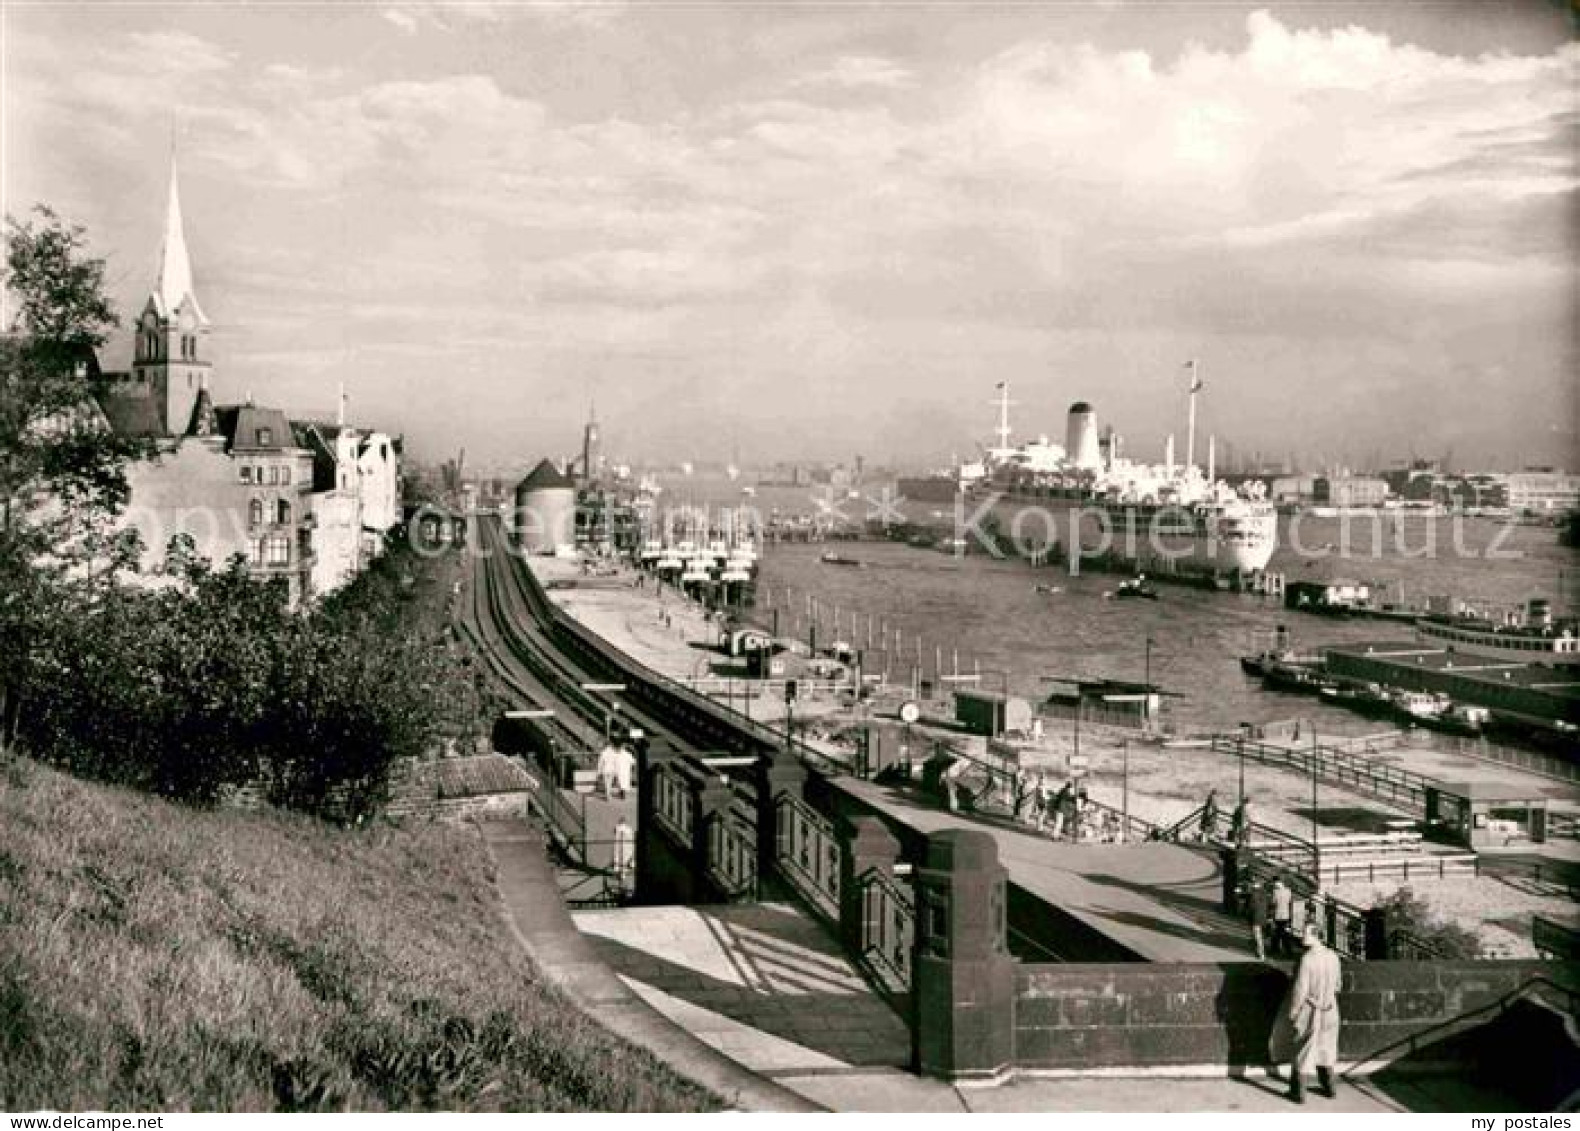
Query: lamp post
x,y
1146,680
1316,852
1240,749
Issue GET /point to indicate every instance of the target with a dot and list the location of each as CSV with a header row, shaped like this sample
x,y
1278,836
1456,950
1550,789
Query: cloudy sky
x,y
819,228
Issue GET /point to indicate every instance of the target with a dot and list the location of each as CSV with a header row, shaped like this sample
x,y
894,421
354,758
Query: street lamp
x,y
1146,680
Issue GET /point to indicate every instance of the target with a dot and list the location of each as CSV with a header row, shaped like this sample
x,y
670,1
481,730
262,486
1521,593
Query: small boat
x,y
1136,587
1049,589
831,558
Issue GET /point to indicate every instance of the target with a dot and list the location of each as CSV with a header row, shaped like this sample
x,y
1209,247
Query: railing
x,y
1554,940
888,931
1438,866
673,805
1337,767
1556,876
1528,760
567,820
594,885
1405,946
732,855
808,853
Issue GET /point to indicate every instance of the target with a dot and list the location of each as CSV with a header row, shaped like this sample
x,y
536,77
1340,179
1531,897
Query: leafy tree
x,y
62,474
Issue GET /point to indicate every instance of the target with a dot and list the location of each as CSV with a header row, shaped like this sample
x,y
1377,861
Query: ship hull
x,y
1165,539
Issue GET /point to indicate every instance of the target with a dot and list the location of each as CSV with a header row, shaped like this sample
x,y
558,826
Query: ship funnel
x,y
1539,613
1081,437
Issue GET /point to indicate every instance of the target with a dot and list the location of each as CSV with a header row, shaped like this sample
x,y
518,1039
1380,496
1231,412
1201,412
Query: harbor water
x,y
991,615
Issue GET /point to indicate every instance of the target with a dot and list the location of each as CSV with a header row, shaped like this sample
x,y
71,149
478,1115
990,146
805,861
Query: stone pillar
x,y
866,845
710,798
650,887
963,987
776,772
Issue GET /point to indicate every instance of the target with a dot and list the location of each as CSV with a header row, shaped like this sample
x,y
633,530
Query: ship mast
x,y
1190,422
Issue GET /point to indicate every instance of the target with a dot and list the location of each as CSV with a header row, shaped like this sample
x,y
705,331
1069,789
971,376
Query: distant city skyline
x,y
805,232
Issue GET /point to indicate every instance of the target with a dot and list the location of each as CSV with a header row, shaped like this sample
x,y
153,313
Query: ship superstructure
x,y
1146,511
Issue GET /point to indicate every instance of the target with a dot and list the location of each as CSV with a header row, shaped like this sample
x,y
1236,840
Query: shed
x,y
1481,813
991,713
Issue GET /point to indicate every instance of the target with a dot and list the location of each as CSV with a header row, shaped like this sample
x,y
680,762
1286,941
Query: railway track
x,y
515,626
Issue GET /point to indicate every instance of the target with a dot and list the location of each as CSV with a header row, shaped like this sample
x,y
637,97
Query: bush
x,y
1409,913
216,684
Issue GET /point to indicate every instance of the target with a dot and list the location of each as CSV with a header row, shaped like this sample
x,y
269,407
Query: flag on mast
x,y
1195,381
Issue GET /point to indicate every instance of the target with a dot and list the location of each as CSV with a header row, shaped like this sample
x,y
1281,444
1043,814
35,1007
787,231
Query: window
x,y
256,546
255,513
282,512
285,476
274,475
246,473
264,437
278,550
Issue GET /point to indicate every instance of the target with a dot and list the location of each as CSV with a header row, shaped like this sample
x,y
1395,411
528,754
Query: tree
x,y
62,473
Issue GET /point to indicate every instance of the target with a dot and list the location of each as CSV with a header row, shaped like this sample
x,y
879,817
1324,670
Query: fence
x,y
808,853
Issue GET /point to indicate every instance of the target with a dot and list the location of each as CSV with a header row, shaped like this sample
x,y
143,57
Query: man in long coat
x,y
1307,1029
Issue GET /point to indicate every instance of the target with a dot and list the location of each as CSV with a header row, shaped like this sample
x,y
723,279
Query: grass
x,y
156,957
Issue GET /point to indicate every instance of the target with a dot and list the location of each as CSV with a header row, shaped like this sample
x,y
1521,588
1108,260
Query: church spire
x,y
175,266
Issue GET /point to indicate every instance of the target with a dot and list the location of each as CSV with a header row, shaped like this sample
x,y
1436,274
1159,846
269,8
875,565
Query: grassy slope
x,y
156,957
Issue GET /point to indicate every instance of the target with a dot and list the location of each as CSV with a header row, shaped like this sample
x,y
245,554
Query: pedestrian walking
x,y
1306,1031
1261,914
1240,823
624,859
1283,913
1209,817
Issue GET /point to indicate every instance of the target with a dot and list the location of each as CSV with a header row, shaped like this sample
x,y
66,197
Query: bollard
x,y
963,988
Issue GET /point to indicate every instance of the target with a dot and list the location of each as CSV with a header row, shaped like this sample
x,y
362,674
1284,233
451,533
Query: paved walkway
x,y
1159,900
529,890
764,983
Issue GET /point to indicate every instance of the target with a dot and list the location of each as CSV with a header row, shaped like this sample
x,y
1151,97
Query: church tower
x,y
169,360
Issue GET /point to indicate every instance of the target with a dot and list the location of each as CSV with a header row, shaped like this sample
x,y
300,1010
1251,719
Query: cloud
x,y
857,71
1275,198
402,19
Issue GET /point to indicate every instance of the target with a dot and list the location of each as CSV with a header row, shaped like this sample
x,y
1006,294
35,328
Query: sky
x,y
803,231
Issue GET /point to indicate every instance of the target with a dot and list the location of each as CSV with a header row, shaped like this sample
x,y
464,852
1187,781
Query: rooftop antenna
x,y
340,410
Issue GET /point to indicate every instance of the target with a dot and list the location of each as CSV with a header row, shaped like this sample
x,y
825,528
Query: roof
x,y
174,287
478,776
1080,406
544,477
132,415
319,439
250,428
1481,789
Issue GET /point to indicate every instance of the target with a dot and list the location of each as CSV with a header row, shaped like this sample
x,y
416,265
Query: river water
x,y
988,612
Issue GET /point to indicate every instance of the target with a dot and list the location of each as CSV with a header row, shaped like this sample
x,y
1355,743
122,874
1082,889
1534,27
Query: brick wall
x,y
1125,1016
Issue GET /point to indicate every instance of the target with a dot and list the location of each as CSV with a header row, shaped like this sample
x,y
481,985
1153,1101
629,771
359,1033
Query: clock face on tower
x,y
188,320
150,321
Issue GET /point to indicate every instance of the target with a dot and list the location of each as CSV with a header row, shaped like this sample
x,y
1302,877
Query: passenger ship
x,y
1535,638
1164,514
